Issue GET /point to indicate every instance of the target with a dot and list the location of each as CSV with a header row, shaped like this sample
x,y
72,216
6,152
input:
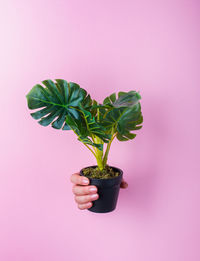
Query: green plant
x,y
66,106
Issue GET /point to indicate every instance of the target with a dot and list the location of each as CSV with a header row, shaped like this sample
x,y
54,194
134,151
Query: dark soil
x,y
96,173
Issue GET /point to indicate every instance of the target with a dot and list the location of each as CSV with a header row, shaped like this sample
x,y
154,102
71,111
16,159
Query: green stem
x,y
90,149
86,145
98,153
98,115
105,158
99,158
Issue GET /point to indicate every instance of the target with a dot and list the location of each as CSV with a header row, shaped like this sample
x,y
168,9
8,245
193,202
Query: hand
x,y
84,193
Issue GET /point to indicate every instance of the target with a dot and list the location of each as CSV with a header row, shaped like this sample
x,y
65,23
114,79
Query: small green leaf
x,y
93,127
106,101
81,131
127,100
113,97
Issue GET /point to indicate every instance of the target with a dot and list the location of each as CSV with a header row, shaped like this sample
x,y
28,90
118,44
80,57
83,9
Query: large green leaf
x,y
129,121
58,101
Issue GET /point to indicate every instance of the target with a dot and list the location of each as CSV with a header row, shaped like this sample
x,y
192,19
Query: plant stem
x,y
99,153
105,158
93,152
99,158
98,115
90,149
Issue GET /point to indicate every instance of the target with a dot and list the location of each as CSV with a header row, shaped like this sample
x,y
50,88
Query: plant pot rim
x,y
93,166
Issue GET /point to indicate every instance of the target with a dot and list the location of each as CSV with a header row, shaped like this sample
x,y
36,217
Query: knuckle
x,y
74,178
80,207
74,189
71,178
80,199
79,190
83,190
76,199
79,180
83,199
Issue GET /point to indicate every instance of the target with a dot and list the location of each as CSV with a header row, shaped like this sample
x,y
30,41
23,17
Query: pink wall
x,y
105,46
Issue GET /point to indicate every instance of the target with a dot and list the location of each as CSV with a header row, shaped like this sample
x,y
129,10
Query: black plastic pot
x,y
108,190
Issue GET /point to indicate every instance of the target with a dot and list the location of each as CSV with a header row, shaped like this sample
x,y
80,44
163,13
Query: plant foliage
x,y
65,105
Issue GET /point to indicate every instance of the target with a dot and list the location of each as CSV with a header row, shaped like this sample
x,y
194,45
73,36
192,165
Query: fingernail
x,y
89,204
85,181
94,196
92,189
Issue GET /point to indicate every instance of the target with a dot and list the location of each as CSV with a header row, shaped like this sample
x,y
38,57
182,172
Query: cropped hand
x,y
84,193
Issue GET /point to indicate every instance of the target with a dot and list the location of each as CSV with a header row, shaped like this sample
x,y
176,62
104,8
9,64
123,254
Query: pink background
x,y
105,46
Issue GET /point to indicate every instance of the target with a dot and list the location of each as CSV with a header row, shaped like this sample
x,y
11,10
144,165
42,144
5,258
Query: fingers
x,y
85,206
86,198
83,194
123,184
79,180
83,190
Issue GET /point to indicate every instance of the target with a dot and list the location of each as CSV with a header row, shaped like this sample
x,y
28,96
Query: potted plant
x,y
67,106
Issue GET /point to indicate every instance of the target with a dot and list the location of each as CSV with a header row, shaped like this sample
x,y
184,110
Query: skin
x,y
84,193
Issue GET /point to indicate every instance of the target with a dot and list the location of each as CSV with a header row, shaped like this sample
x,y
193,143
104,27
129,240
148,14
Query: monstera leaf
x,y
59,100
122,115
129,121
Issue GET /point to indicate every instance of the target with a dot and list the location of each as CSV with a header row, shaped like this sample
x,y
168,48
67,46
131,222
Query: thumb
x,y
123,184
